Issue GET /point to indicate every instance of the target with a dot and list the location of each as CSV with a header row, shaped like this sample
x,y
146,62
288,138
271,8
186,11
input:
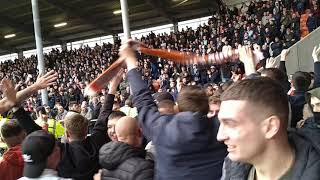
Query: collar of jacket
x,y
307,149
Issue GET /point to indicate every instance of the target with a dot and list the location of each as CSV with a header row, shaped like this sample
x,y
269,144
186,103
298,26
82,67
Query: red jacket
x,y
11,166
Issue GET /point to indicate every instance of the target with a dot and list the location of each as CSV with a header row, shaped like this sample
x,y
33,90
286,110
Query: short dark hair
x,y
161,96
263,93
10,129
166,104
214,99
301,81
41,110
275,74
116,114
194,99
71,103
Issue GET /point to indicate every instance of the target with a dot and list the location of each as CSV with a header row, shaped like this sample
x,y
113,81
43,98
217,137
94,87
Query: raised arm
x,y
100,128
283,58
42,82
23,117
247,56
316,59
148,114
10,93
12,97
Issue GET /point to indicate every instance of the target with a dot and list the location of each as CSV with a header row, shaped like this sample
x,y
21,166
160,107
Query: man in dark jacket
x,y
313,106
311,22
185,142
301,82
125,159
276,47
254,128
79,155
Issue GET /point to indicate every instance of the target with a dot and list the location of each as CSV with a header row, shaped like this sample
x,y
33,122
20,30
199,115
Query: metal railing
x,y
300,55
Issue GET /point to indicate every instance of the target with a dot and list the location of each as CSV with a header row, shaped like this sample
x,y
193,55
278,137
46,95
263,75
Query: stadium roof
x,y
88,18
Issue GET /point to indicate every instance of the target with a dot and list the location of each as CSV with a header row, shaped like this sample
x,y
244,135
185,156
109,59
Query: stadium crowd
x,y
161,120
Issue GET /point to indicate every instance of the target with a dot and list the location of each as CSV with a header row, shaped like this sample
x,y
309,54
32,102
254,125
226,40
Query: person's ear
x,y
2,139
139,133
67,134
176,108
22,136
271,126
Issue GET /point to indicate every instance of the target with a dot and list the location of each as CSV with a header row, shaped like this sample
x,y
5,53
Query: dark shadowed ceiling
x,y
88,18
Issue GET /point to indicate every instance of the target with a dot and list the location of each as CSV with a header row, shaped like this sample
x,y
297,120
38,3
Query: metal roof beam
x,y
20,26
8,48
161,8
74,12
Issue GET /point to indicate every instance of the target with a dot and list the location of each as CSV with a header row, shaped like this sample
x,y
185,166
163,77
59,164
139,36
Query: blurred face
x,y
213,110
44,117
84,107
315,103
102,99
172,84
70,91
76,107
47,108
240,130
111,129
95,100
60,109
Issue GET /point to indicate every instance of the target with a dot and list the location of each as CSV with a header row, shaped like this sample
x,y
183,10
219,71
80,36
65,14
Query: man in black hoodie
x,y
79,155
125,159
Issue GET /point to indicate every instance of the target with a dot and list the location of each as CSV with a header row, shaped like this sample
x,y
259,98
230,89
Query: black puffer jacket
x,y
124,162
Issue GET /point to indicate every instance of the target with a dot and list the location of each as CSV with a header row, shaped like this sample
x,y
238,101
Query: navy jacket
x,y
297,103
186,144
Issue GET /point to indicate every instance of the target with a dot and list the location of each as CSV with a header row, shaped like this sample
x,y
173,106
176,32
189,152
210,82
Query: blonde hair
x,y
76,125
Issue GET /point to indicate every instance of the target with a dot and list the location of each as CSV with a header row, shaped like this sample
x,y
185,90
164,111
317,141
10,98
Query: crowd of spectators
x,y
273,26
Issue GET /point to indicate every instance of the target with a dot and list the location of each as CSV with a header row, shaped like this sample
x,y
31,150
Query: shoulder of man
x,y
140,164
307,150
235,170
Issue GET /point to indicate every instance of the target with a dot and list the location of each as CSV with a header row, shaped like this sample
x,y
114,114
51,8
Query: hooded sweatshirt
x,y
11,166
124,162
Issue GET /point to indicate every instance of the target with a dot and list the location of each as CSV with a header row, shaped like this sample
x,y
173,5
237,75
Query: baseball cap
x,y
36,148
